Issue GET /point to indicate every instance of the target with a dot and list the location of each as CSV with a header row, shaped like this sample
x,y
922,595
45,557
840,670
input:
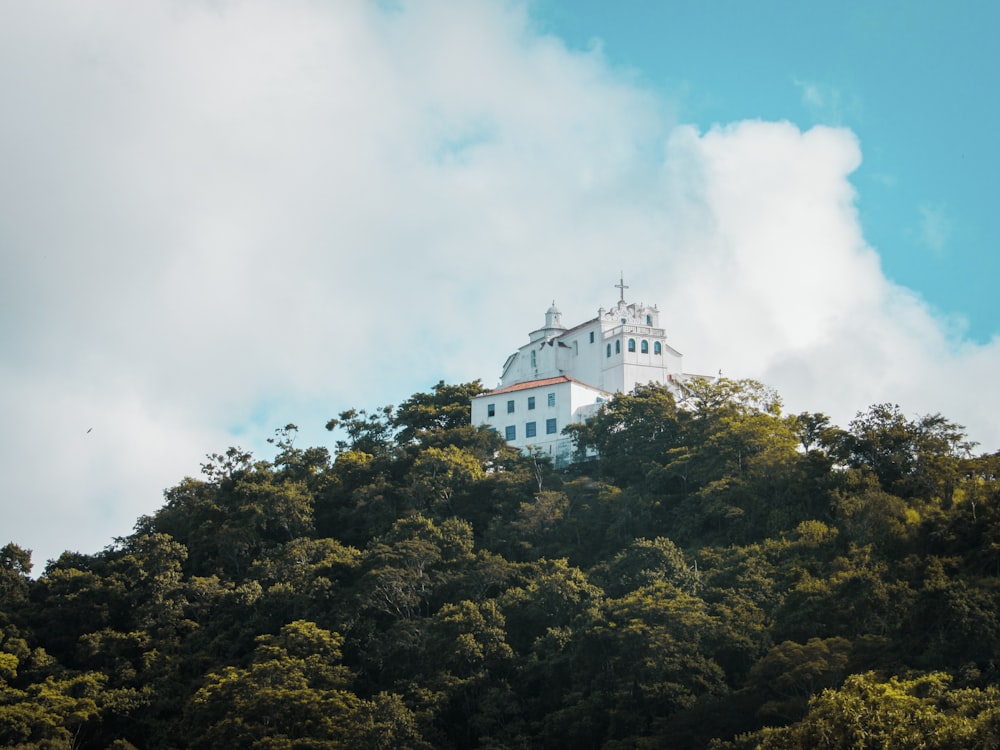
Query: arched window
x,y
656,348
631,345
618,346
609,350
644,347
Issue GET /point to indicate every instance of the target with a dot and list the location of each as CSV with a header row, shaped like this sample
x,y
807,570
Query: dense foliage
x,y
722,575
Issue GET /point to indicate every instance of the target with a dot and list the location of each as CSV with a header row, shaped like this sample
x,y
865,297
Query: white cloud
x,y
812,96
780,284
935,229
221,217
827,103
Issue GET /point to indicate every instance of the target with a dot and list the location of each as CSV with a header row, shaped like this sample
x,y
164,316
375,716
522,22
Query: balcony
x,y
636,330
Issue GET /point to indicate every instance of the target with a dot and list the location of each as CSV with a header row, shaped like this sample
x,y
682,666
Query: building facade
x,y
563,375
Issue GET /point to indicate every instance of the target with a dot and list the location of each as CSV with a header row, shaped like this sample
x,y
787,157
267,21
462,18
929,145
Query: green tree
x,y
226,523
634,661
814,431
858,596
54,713
952,621
309,579
737,475
792,672
868,713
645,562
297,463
447,407
367,433
15,569
535,530
630,431
909,458
150,569
555,595
76,584
405,571
718,420
439,473
869,515
294,694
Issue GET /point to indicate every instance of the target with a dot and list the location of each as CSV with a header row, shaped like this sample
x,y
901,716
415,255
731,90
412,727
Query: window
x,y
534,363
609,350
531,403
510,432
529,429
644,347
591,337
631,345
550,426
649,320
618,347
656,348
552,399
510,407
491,410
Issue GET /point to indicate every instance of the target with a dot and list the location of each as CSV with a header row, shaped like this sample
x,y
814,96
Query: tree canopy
x,y
711,573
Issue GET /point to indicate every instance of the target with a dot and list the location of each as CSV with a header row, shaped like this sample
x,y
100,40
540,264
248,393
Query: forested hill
x,y
723,576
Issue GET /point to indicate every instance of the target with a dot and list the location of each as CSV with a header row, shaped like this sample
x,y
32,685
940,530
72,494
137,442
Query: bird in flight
x,y
88,431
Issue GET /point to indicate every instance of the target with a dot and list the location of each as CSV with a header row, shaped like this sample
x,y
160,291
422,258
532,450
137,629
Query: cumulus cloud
x,y
779,283
826,103
221,217
935,229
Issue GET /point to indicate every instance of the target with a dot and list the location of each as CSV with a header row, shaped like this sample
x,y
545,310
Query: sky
x,y
223,216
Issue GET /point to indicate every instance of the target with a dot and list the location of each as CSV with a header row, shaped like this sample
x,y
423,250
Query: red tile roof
x,y
535,384
531,384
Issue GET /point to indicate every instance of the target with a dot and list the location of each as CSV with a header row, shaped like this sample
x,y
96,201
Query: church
x,y
563,375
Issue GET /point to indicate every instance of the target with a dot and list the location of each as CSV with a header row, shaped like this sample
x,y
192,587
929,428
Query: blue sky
x,y
222,217
915,80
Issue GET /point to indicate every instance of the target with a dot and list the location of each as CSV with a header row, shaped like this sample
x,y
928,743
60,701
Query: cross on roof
x,y
622,286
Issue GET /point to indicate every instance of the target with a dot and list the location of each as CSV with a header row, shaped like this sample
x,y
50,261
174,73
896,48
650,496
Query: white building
x,y
562,375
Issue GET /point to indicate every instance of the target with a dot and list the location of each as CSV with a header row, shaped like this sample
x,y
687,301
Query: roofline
x,y
558,380
581,325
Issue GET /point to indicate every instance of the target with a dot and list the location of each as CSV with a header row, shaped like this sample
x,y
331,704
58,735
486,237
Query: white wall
x,y
570,352
574,402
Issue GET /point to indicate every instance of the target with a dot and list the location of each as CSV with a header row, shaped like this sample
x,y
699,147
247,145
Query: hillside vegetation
x,y
722,576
